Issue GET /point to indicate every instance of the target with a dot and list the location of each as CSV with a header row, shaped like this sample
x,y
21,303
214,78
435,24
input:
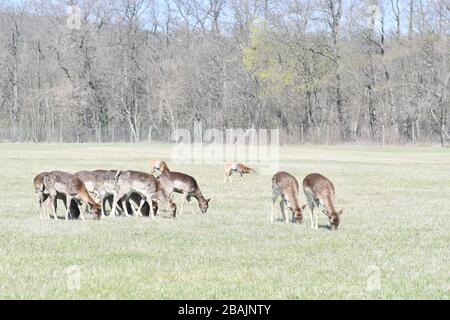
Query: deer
x,y
158,165
186,185
58,183
319,192
145,185
38,182
100,183
286,186
44,198
239,168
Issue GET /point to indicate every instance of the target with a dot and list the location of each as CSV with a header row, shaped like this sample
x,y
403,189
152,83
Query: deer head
x,y
204,204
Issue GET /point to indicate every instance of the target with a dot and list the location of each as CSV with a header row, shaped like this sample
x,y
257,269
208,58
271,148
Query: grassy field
x,y
393,241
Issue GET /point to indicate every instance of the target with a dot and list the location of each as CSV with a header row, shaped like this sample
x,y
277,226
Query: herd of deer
x,y
122,188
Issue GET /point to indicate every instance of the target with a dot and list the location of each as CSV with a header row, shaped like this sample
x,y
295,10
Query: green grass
x,y
396,225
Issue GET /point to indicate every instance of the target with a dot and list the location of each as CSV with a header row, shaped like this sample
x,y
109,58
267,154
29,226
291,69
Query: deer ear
x,y
304,206
341,211
207,200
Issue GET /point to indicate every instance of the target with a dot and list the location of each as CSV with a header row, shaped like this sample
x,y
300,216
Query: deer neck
x,y
293,199
199,196
329,205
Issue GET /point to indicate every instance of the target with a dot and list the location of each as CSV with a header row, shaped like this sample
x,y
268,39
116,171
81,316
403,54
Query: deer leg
x,y
152,212
317,218
311,214
46,202
54,205
116,197
41,205
110,201
68,203
103,204
125,205
139,212
282,207
80,207
182,205
147,197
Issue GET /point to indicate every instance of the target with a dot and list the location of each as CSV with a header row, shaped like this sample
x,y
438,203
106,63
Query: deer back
x,y
243,168
138,180
178,182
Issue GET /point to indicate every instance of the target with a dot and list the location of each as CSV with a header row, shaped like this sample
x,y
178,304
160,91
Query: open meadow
x,y
393,240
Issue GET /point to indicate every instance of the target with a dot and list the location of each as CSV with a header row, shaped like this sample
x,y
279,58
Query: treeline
x,y
327,71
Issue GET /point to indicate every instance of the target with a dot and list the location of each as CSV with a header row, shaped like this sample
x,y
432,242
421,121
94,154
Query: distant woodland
x,y
329,71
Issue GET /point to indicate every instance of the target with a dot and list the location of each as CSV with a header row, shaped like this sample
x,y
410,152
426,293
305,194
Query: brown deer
x,y
286,186
58,182
99,183
186,185
44,198
38,182
144,184
319,191
239,168
158,165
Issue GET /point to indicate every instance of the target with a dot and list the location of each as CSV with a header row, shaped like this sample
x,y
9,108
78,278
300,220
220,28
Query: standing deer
x,y
286,186
99,183
186,185
40,190
158,165
144,184
319,191
44,200
58,182
239,168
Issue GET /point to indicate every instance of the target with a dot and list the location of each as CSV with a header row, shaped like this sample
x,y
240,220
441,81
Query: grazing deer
x,y
144,184
100,183
286,186
237,167
58,182
186,185
44,198
38,182
319,191
158,165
